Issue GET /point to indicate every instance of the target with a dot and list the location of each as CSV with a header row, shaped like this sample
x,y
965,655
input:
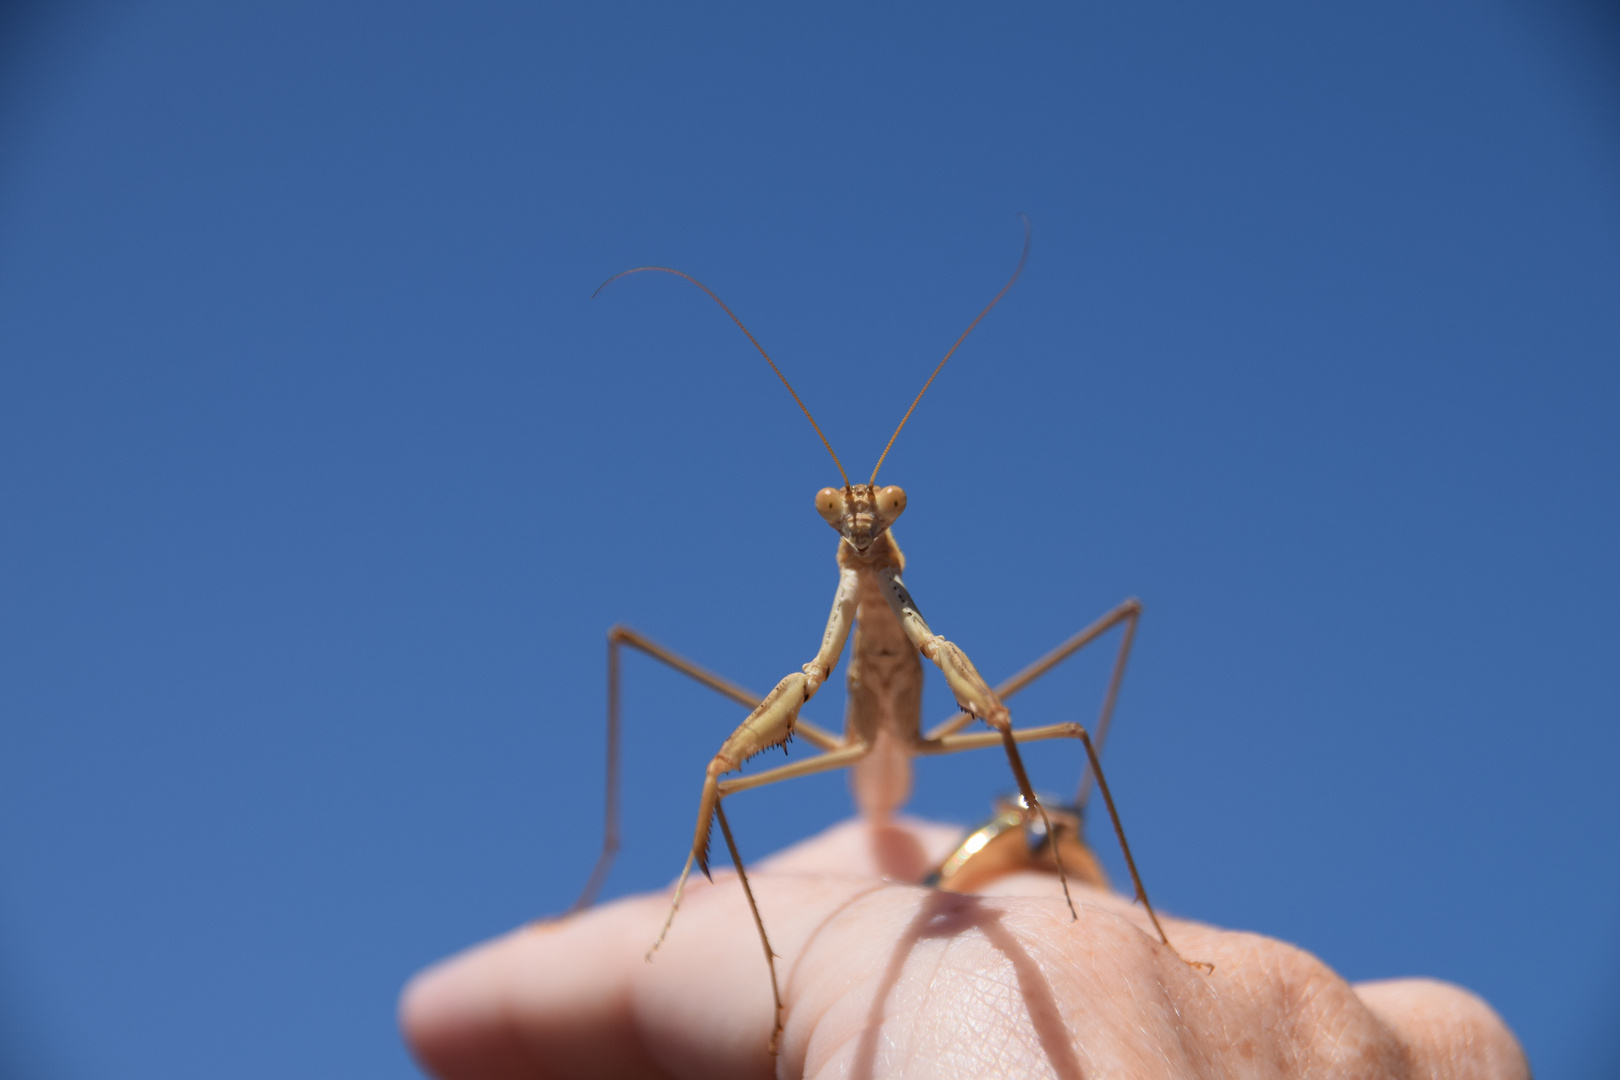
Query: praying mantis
x,y
883,721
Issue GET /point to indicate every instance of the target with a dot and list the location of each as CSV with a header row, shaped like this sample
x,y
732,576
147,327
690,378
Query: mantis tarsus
x,y
883,721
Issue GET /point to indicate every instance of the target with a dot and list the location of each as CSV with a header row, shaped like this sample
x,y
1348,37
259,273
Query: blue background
x,y
321,477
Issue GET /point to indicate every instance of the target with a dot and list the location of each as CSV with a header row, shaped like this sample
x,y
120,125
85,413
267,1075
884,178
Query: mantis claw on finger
x,y
882,728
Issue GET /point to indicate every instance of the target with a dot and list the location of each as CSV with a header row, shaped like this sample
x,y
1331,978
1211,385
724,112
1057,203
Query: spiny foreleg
x,y
769,725
973,696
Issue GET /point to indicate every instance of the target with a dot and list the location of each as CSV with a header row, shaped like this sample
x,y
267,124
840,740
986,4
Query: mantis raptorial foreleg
x,y
621,636
836,759
973,696
981,850
1127,612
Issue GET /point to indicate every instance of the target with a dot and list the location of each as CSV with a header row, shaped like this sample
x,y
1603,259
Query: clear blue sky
x,y
321,476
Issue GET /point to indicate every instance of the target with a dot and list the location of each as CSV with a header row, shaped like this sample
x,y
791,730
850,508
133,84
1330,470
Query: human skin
x,y
886,979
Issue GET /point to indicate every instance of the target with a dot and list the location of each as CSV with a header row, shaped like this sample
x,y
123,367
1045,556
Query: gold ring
x,y
1014,839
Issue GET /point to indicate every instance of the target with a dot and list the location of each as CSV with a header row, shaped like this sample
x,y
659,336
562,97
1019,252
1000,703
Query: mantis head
x,y
861,512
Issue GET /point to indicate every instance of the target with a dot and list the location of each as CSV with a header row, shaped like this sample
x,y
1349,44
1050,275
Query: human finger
x,y
1449,1033
576,997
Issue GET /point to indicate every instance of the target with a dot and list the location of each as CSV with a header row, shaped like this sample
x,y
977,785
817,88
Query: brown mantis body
x,y
883,721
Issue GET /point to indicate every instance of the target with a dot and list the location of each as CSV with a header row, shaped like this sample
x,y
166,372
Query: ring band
x,y
1014,839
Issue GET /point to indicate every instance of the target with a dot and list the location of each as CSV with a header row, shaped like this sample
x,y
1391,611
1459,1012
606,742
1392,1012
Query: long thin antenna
x,y
1021,260
761,348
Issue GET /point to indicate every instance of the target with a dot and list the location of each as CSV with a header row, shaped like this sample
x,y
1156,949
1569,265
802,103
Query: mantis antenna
x,y
766,355
1021,260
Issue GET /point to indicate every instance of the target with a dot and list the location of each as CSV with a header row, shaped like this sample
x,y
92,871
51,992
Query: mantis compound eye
x,y
891,502
830,504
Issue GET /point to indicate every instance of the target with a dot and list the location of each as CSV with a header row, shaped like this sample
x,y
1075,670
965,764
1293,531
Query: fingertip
x,y
418,1010
450,1017
550,999
1448,1031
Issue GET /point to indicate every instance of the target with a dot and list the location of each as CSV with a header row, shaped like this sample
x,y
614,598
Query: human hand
x,y
885,979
